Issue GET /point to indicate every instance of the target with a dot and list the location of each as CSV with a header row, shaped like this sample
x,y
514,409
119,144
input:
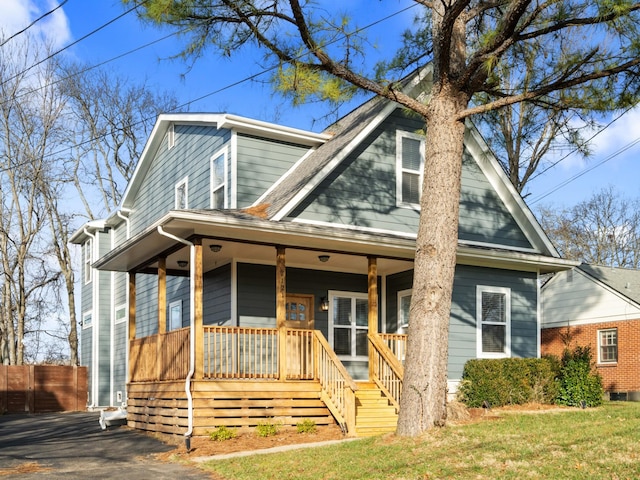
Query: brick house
x,y
599,307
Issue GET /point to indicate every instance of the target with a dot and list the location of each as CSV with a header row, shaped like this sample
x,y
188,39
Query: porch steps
x,y
374,414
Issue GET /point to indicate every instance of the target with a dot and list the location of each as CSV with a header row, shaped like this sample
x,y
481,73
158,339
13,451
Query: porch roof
x,y
249,238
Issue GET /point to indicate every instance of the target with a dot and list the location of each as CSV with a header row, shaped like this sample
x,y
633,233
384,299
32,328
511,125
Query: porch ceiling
x,y
248,239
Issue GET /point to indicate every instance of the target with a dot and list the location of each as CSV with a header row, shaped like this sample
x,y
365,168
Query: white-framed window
x,y
182,194
88,260
409,167
175,315
404,302
608,345
493,320
349,324
120,313
218,180
171,137
87,319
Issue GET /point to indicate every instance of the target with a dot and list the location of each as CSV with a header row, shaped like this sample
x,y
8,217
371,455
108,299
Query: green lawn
x,y
599,443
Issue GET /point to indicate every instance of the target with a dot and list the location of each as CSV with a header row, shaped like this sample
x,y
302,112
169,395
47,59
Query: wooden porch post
x,y
132,317
162,295
281,310
198,309
162,317
372,277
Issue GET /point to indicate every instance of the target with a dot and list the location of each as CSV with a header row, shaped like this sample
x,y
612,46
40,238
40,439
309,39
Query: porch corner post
x,y
281,311
198,309
162,317
372,277
132,319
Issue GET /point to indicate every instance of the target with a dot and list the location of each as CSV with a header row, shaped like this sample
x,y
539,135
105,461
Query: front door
x,y
299,311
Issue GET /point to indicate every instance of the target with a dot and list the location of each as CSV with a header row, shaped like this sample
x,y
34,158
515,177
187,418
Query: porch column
x,y
372,277
198,309
132,319
281,310
162,296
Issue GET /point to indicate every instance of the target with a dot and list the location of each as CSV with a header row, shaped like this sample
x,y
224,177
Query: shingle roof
x,y
625,281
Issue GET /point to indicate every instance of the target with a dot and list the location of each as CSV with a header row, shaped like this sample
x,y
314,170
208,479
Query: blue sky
x,y
212,78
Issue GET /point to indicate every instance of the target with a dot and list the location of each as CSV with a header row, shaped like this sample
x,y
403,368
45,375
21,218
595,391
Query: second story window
x,y
171,137
218,180
182,194
88,260
409,166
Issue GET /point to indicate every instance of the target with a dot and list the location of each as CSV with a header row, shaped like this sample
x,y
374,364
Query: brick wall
x,y
623,376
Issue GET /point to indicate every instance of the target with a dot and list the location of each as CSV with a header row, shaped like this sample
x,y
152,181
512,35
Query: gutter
x,y
192,336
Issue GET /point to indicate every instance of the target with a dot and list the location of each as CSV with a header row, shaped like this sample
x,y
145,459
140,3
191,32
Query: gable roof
x,y
625,281
351,130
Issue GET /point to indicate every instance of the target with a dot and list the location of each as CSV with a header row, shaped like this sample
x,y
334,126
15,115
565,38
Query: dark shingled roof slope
x,y
625,281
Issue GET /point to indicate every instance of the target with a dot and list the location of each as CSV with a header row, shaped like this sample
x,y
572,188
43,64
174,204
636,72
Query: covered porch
x,y
191,380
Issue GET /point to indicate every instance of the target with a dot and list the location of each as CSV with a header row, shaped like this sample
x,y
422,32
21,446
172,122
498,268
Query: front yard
x,y
594,443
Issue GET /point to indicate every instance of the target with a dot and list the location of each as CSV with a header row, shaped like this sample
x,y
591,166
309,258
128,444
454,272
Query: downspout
x,y
126,350
95,323
192,336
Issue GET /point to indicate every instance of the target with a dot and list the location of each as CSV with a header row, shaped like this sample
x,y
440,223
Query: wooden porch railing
x,y
388,370
163,356
397,343
338,388
240,352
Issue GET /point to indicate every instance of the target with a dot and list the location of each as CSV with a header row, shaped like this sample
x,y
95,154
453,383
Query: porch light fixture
x,y
182,263
215,248
324,258
324,304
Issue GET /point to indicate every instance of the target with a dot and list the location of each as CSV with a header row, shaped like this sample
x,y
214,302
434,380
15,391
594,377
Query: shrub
x,y
306,426
507,381
222,433
267,429
579,384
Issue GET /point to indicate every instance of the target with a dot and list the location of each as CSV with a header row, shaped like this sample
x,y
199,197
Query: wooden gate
x,y
42,388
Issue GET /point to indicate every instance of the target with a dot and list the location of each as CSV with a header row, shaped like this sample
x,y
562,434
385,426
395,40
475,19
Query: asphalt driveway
x,y
72,446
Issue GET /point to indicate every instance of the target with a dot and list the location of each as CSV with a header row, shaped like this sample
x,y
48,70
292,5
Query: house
x,y
259,271
599,307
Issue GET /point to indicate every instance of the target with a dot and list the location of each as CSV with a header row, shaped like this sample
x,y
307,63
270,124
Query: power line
x,y
34,22
75,43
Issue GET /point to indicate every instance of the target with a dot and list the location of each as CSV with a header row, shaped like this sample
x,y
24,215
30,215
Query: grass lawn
x,y
599,443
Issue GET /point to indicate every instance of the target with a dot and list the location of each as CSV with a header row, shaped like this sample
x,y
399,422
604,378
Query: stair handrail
x,y
388,372
337,386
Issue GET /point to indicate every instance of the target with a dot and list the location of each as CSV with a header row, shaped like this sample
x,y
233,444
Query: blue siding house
x,y
259,270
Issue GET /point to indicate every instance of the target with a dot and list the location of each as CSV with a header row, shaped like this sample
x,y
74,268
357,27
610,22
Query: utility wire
x,y
34,22
74,43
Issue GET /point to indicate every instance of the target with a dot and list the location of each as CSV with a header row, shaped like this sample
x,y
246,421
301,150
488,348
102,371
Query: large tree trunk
x,y
423,403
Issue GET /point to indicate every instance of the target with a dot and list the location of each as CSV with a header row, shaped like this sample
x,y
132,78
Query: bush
x,y
267,429
580,386
306,426
222,433
507,381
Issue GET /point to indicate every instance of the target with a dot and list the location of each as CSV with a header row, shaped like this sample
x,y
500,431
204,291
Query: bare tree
x,y
27,128
468,43
603,230
110,120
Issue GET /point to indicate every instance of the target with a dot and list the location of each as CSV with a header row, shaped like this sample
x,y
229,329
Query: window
x,y
218,182
493,317
120,313
87,319
171,137
409,166
608,345
175,315
349,323
182,194
404,302
88,260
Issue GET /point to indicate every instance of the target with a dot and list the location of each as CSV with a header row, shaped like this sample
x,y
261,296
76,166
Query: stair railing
x,y
387,370
337,386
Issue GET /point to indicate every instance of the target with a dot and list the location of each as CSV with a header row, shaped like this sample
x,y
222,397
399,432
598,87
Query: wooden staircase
x,y
374,414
